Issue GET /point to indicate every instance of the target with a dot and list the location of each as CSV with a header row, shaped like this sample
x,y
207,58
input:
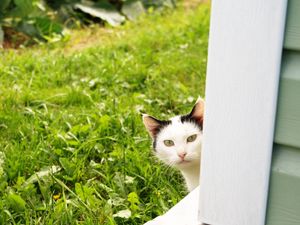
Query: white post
x,y
245,47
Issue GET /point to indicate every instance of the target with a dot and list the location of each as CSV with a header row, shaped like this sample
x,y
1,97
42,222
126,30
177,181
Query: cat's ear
x,y
197,112
152,125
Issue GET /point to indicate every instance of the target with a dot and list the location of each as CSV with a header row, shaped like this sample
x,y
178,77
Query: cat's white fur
x,y
178,132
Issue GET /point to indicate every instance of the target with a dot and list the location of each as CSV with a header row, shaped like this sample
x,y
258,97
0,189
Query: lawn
x,y
73,146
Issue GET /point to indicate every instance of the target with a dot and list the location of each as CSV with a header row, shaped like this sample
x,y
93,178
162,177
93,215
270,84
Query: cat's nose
x,y
182,155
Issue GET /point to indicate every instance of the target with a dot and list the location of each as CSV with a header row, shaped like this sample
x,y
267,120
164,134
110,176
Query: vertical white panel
x,y
183,213
245,46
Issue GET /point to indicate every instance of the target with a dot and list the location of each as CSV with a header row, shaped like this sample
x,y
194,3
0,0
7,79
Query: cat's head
x,y
177,141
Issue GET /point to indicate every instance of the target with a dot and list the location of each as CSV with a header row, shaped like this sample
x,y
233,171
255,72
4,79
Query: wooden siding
x,y
292,31
284,195
288,112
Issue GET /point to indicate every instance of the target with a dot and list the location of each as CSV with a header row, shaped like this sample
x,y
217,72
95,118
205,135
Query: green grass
x,y
79,113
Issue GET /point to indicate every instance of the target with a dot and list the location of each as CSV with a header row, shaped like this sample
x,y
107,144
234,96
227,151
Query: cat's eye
x,y
191,138
169,143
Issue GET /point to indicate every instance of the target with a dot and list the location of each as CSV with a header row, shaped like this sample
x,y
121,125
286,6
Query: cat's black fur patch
x,y
190,119
162,124
154,144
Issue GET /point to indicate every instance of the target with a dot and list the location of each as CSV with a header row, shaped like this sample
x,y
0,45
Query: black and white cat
x,y
177,142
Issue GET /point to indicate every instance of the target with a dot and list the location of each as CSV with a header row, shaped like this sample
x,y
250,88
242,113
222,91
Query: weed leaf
x,y
126,213
42,174
68,165
16,202
107,13
4,4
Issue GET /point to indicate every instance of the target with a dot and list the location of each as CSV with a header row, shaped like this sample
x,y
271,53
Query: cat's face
x,y
177,142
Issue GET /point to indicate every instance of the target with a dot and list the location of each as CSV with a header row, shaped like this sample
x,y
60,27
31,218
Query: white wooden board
x,y
184,213
245,46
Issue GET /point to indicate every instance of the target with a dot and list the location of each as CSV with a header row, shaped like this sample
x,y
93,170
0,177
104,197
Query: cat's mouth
x,y
184,161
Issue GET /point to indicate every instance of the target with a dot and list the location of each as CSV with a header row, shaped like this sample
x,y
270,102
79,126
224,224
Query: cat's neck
x,y
191,176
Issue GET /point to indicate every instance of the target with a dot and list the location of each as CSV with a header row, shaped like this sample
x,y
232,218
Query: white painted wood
x,y
245,45
184,213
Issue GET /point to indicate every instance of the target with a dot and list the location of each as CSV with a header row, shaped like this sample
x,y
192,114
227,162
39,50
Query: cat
x,y
178,141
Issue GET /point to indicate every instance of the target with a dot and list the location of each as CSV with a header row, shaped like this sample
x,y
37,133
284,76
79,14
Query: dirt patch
x,y
14,39
86,38
191,4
